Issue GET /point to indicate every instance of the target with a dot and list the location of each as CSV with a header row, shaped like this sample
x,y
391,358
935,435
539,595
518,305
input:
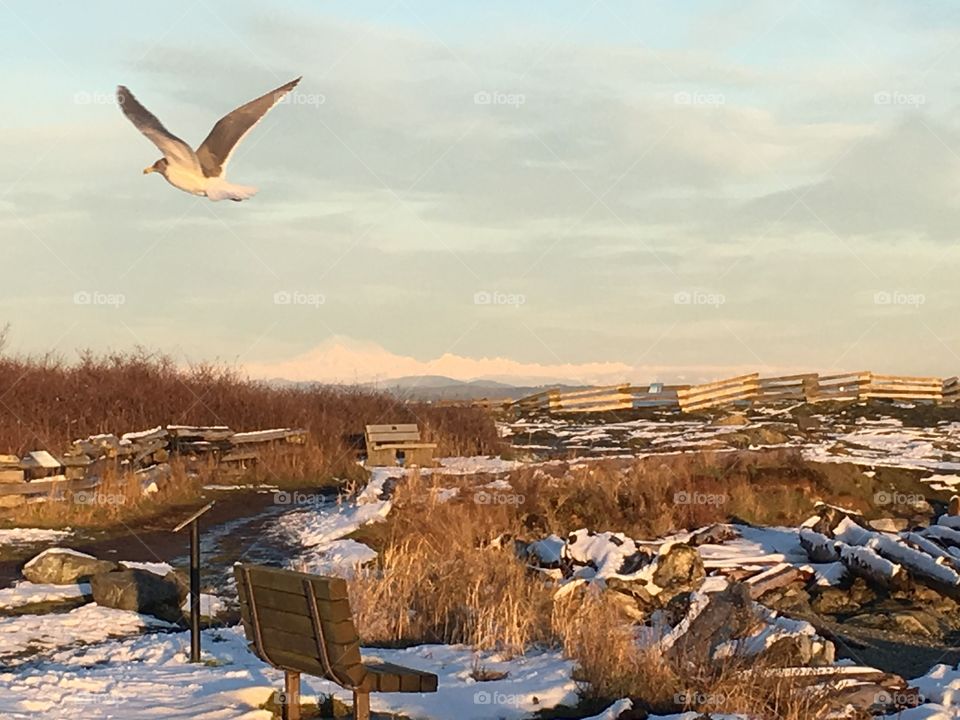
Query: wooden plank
x,y
283,641
58,484
788,378
775,577
907,379
326,588
730,391
722,383
588,402
600,389
342,632
625,404
905,386
40,459
405,446
240,456
656,400
408,427
379,439
259,436
862,375
703,394
11,476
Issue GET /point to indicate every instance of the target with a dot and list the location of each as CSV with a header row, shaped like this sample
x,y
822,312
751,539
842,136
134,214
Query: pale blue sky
x,y
675,189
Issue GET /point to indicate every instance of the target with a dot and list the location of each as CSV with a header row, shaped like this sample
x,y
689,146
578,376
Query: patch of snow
x,y
24,635
473,465
58,551
210,605
614,711
31,536
28,593
339,557
157,568
149,677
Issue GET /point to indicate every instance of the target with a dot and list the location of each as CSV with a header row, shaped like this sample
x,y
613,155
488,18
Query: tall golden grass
x,y
447,572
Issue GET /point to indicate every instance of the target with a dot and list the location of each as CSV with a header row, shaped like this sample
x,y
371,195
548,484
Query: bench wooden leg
x,y
291,696
361,705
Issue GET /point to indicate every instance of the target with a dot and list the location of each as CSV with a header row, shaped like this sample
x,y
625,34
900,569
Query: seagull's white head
x,y
159,166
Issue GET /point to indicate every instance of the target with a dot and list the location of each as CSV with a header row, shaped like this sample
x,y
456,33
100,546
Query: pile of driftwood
x,y
147,454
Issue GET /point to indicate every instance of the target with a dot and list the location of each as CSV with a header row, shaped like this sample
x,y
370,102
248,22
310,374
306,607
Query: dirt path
x,y
234,529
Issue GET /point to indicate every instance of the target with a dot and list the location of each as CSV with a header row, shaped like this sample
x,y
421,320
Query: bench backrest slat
x,y
384,434
275,606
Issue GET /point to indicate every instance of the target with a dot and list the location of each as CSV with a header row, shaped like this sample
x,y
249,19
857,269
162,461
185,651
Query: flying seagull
x,y
202,172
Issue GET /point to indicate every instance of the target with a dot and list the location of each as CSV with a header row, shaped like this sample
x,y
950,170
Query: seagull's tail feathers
x,y
222,190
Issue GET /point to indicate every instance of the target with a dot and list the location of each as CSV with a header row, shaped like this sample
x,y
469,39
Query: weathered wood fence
x,y
741,390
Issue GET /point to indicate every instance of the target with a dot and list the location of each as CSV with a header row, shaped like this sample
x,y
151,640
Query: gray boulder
x,y
62,566
679,569
138,591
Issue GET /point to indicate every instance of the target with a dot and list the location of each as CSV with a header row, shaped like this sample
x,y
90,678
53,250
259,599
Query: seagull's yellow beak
x,y
147,171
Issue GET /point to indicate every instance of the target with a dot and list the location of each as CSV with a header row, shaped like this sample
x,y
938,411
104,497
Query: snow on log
x,y
920,565
819,548
866,563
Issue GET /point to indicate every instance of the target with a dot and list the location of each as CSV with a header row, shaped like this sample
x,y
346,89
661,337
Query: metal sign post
x,y
193,522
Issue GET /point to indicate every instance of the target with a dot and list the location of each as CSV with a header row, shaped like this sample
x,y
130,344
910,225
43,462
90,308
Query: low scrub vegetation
x,y
447,571
47,402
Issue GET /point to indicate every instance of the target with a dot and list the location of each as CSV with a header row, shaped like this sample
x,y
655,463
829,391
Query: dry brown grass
x,y
656,496
119,499
438,580
46,402
441,578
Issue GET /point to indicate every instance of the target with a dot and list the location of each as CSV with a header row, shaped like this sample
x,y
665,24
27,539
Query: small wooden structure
x,y
389,445
302,623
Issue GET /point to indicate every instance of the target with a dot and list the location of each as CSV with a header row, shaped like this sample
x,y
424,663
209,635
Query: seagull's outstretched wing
x,y
214,153
172,147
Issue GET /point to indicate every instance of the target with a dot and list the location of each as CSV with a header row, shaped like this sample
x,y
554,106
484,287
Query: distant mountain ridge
x,y
439,387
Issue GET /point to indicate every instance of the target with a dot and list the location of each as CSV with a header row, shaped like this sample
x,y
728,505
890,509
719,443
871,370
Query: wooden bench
x,y
302,623
389,445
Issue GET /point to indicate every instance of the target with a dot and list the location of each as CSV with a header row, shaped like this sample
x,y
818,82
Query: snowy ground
x,y
93,662
883,441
